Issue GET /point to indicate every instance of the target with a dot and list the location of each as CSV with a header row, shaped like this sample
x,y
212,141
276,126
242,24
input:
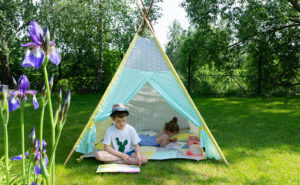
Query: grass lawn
x,y
259,137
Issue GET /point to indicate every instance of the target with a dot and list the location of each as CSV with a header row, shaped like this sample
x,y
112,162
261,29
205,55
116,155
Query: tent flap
x,y
126,86
86,144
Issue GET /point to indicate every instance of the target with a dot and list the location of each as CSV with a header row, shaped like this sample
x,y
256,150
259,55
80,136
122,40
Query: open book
x,y
176,145
122,168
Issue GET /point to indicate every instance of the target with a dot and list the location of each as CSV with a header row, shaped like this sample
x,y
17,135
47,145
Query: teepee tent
x,y
147,83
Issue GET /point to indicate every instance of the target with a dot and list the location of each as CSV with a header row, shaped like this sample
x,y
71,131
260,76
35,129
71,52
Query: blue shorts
x,y
148,140
130,153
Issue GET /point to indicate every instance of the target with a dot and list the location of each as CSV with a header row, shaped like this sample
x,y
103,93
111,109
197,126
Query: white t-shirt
x,y
122,140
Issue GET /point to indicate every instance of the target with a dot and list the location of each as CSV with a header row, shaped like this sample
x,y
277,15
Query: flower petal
x,y
26,62
36,57
33,58
37,170
46,161
54,56
15,93
35,103
31,92
52,43
30,44
24,83
43,144
35,32
33,183
13,104
37,157
19,157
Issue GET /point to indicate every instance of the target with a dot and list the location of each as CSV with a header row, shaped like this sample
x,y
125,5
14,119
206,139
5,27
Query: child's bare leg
x,y
106,157
133,159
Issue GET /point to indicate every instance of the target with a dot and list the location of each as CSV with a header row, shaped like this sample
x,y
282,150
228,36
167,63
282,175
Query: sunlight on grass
x,y
276,111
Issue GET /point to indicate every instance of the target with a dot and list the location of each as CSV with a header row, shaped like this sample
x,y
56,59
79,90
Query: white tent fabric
x,y
145,56
149,111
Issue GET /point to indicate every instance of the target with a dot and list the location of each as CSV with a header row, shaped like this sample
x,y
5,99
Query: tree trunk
x,y
6,75
59,71
100,70
259,75
189,75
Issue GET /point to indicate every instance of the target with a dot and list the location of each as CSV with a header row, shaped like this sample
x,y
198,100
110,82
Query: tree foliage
x,y
254,37
74,28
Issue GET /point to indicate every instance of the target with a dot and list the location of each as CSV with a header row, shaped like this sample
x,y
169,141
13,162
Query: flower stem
x,y
6,152
29,174
42,123
4,120
51,114
22,139
53,151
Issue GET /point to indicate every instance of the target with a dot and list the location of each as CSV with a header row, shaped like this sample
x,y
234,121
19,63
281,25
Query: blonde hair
x,y
172,125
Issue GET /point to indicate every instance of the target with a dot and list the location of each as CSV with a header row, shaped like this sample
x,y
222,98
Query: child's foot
x,y
114,162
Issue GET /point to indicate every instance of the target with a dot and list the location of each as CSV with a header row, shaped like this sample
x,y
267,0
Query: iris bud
x,y
14,81
51,82
32,139
47,41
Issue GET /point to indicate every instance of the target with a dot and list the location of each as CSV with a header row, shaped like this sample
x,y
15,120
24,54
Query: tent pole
x,y
147,21
148,15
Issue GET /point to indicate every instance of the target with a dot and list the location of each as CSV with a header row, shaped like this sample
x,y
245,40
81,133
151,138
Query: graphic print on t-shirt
x,y
121,145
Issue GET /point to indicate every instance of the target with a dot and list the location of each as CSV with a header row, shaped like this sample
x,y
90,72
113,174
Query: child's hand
x,y
125,157
139,159
173,140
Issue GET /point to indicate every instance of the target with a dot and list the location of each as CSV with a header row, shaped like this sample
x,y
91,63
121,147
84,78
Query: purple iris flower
x,y
43,144
21,93
41,44
37,168
19,157
35,183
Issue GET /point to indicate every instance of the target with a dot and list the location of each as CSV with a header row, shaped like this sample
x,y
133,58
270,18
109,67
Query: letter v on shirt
x,y
121,140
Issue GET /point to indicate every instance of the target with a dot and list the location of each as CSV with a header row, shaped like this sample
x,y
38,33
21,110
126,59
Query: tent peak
x,y
145,14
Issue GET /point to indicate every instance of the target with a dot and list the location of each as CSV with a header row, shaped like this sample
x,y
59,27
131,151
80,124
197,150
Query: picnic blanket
x,y
159,153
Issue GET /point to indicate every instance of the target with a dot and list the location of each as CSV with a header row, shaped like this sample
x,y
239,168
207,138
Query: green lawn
x,y
259,137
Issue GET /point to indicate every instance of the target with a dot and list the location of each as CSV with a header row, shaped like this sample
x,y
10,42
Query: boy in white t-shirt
x,y
123,138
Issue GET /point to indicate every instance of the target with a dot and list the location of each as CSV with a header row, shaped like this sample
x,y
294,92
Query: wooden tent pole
x,y
145,18
148,15
144,5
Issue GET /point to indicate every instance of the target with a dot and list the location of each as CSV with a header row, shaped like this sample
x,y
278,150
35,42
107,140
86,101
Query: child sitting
x,y
123,137
163,138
